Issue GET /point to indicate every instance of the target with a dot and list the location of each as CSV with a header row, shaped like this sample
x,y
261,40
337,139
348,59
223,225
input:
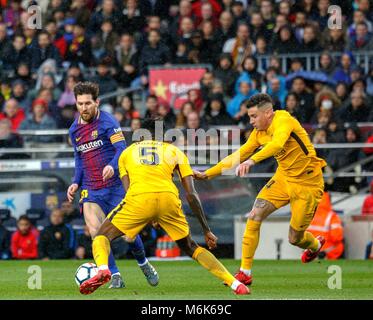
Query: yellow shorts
x,y
303,195
136,211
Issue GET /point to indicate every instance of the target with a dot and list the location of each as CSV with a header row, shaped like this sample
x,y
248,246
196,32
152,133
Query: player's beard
x,y
88,116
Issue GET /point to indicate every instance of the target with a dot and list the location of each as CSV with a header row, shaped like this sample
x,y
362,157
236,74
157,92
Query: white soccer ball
x,y
85,272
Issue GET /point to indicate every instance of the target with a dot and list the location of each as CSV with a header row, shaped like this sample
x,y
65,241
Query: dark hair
x,y
149,124
25,218
86,88
258,100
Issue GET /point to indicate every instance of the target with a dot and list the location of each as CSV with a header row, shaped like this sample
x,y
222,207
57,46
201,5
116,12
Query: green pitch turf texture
x,y
187,280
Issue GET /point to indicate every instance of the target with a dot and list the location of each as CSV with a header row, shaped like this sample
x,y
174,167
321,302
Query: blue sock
x,y
112,265
138,251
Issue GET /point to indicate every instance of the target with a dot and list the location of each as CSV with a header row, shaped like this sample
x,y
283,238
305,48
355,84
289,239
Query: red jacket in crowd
x,y
25,246
16,120
368,203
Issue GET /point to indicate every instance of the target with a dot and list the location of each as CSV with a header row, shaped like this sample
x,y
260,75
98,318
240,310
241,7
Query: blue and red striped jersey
x,y
96,145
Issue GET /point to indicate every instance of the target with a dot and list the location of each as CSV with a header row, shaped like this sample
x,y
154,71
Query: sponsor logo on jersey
x,y
90,146
78,139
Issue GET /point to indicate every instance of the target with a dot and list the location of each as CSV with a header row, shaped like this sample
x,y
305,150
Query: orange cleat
x,y
243,278
90,285
308,255
242,289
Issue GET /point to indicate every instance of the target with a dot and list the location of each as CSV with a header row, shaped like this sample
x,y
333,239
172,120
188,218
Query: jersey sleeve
x,y
121,164
282,130
115,134
236,157
183,165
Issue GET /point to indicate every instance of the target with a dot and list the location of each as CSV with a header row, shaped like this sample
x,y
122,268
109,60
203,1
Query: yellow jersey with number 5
x,y
150,166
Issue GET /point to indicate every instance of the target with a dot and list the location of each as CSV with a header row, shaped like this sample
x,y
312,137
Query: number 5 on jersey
x,y
149,156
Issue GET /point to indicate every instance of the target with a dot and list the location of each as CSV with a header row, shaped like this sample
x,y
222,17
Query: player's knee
x,y
255,216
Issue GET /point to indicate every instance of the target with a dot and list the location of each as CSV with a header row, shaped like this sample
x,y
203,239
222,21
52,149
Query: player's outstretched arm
x,y
196,206
235,158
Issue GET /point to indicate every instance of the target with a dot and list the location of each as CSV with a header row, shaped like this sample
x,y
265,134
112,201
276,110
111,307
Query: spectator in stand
x,y
292,103
84,245
206,86
67,97
362,40
358,17
56,239
367,208
327,64
4,241
285,41
70,212
24,243
226,73
153,53
126,60
328,224
80,12
166,114
151,104
43,50
14,113
334,40
240,46
249,67
129,111
310,42
131,17
19,93
104,79
369,248
39,120
181,118
278,92
356,111
245,92
9,139
257,27
196,97
107,38
267,12
307,107
216,113
79,50
15,53
106,11
342,73
342,92
326,99
225,30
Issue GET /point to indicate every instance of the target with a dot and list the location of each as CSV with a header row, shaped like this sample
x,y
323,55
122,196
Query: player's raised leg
x,y
94,217
101,251
261,210
207,260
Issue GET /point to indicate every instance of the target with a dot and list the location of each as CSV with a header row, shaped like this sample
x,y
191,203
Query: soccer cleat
x,y
242,289
90,285
308,255
150,273
116,282
243,278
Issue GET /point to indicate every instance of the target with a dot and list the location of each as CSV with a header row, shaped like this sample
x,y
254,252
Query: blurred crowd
x,y
112,42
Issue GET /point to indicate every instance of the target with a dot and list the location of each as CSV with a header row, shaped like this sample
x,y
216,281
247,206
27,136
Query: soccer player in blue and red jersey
x,y
98,142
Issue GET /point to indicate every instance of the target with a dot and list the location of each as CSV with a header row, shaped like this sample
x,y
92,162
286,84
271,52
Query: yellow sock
x,y
207,260
101,250
308,242
250,243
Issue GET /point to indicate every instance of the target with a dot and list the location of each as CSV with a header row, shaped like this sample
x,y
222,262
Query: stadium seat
x,y
9,222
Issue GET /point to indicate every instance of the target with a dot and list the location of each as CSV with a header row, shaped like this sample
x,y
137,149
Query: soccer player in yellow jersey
x,y
146,170
298,179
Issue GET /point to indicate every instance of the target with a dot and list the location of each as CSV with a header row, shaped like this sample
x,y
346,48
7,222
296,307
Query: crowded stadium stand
x,y
193,64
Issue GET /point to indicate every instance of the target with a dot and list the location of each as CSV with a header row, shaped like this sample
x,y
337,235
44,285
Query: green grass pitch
x,y
188,280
